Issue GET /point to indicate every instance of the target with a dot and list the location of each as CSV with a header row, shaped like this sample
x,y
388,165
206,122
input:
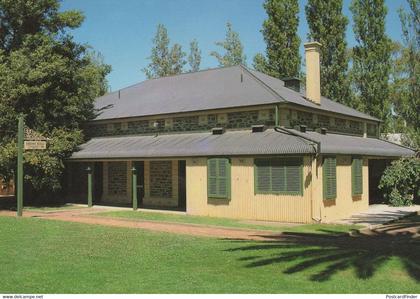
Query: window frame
x,y
228,178
325,194
294,193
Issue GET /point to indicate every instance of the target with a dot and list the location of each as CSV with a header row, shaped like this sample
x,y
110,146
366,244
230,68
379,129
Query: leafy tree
x,y
159,65
327,24
19,19
48,78
164,61
194,58
281,38
371,59
401,182
233,49
405,85
176,60
260,63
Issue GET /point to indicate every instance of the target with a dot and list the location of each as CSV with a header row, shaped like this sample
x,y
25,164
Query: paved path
x,y
88,216
378,214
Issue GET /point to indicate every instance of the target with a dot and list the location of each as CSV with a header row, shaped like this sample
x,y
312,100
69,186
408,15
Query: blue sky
x,y
122,30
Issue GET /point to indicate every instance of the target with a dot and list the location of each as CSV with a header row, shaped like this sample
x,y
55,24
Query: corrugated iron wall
x,y
244,204
345,204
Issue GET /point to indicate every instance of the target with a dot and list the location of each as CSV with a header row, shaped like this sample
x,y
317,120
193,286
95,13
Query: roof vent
x,y
292,83
217,131
258,128
324,131
302,128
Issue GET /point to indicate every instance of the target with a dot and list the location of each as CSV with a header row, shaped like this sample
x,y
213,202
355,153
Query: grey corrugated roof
x,y
234,143
298,98
194,144
210,89
344,144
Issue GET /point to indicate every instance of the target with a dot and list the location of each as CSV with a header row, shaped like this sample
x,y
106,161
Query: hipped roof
x,y
227,87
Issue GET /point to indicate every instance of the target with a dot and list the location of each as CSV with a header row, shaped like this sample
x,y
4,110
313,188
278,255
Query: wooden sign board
x,y
35,145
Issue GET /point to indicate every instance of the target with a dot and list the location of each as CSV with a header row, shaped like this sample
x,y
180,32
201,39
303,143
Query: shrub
x,y
400,182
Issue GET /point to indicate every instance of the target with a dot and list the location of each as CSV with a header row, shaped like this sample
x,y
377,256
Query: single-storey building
x,y
232,142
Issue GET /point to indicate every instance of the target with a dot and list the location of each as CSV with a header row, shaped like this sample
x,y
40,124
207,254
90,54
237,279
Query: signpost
x,y
27,140
35,145
19,189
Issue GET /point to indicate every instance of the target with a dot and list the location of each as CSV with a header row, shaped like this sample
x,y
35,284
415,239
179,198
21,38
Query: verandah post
x,y
19,179
90,196
134,187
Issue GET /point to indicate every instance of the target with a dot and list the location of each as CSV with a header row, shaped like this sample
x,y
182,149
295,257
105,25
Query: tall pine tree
x,y
406,81
176,60
327,25
234,51
281,38
371,58
164,61
194,58
260,63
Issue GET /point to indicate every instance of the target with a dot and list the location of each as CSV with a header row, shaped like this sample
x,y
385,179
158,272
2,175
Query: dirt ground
x,y
402,227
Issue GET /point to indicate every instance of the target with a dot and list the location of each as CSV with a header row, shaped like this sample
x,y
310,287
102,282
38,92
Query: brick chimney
x,y
313,75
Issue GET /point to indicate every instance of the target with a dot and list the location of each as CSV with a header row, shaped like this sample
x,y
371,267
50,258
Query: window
x,y
218,178
329,174
278,176
357,176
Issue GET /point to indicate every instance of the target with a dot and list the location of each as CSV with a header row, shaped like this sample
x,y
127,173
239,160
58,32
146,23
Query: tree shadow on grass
x,y
365,251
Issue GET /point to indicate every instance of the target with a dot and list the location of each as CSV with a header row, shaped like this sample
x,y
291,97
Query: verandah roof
x,y
355,145
269,142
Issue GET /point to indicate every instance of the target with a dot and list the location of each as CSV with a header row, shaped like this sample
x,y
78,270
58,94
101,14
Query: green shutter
x,y
218,178
262,175
357,176
294,176
278,176
212,177
222,180
329,177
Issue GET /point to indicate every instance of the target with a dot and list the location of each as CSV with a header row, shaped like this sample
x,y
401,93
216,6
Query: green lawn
x,y
213,221
46,256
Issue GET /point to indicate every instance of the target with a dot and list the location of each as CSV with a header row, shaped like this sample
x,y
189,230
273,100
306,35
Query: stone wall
x,y
232,120
323,121
333,124
161,179
117,178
